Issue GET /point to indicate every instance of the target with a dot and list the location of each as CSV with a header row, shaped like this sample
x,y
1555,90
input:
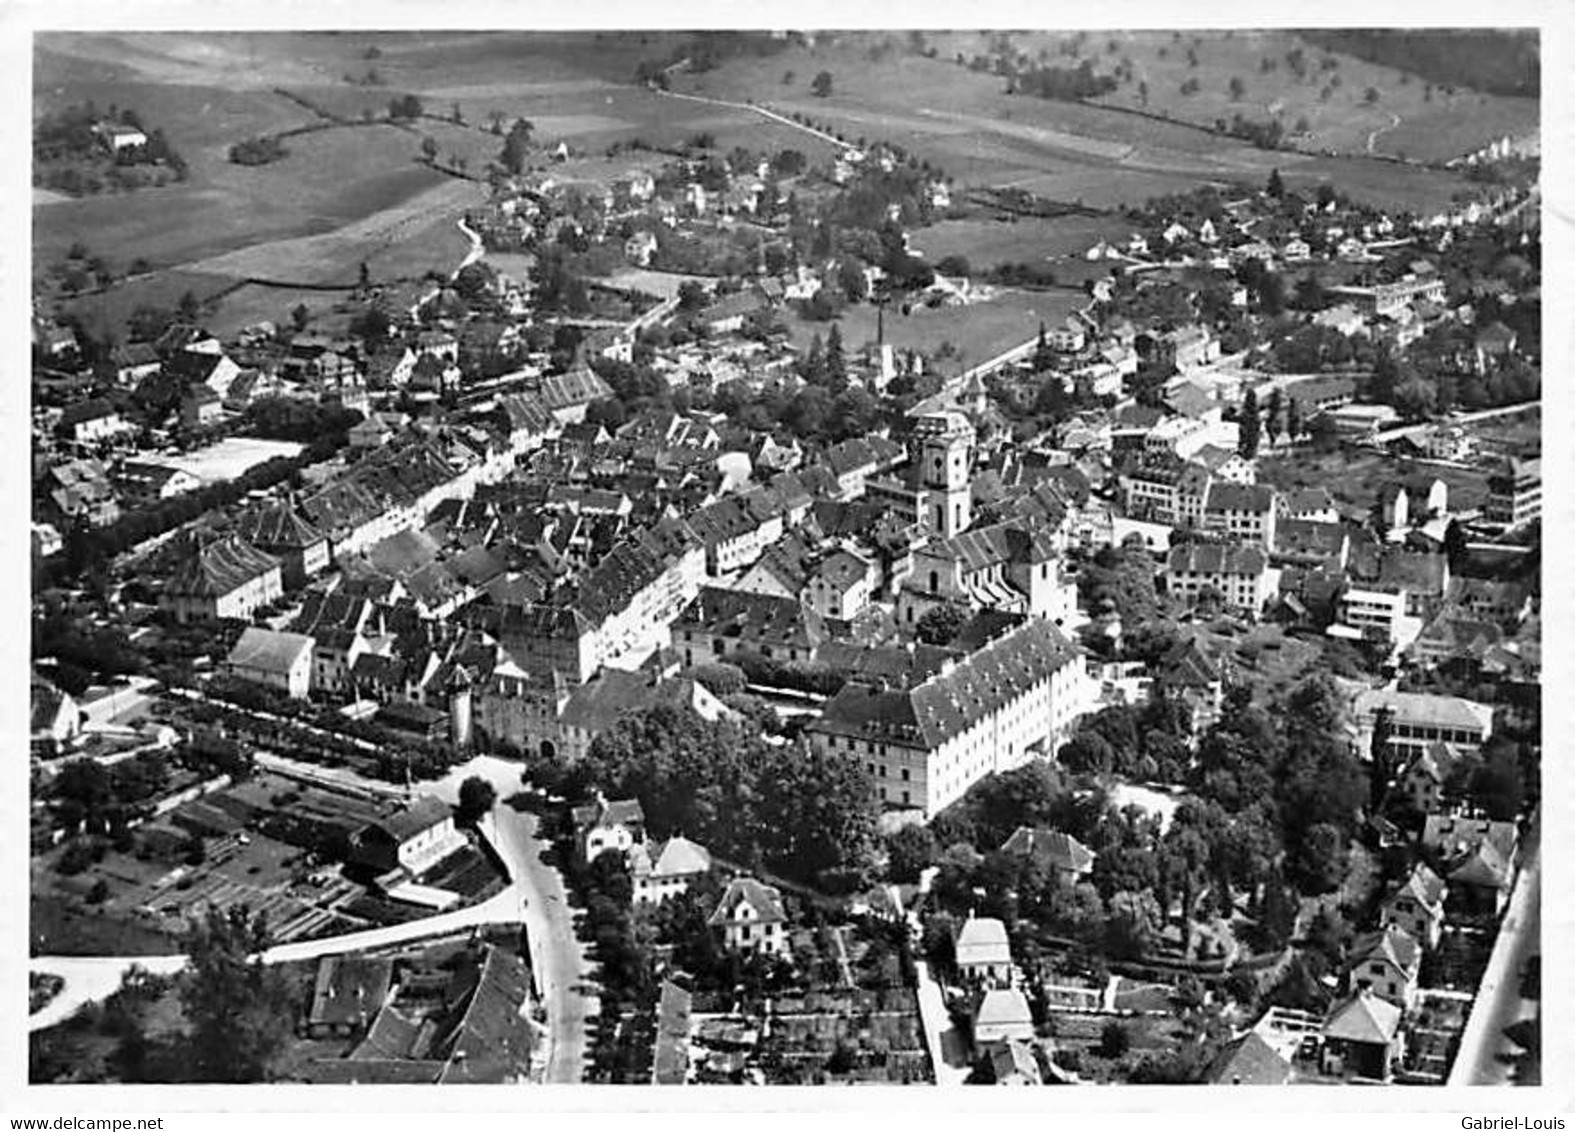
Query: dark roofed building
x,y
225,578
1060,852
348,994
1249,1060
278,529
1014,699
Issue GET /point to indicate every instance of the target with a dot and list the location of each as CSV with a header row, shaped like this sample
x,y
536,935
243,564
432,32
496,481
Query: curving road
x,y
535,895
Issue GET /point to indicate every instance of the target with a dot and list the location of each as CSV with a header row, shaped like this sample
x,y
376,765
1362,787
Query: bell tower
x,y
945,455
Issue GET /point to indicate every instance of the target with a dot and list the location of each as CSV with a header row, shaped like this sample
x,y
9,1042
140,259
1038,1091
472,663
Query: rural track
x,y
753,108
1372,138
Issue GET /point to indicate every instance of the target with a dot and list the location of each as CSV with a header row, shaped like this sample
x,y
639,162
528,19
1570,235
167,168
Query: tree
x,y
188,307
476,798
239,1010
1293,419
1276,185
1322,860
1133,923
821,87
910,851
1237,88
942,623
300,316
1274,415
1371,96
516,146
1114,1041
1251,426
836,364
429,150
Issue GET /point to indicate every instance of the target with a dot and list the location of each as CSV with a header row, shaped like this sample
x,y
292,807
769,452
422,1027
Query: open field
x,y
965,122
986,243
1355,478
229,459
977,332
109,310
1432,128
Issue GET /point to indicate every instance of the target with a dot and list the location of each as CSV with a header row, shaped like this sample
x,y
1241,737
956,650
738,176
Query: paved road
x,y
535,894
1486,1054
563,968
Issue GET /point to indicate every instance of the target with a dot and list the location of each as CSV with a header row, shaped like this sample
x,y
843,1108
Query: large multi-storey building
x,y
1515,494
1014,700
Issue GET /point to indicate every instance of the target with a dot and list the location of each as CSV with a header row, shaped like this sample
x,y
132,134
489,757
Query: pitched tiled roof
x,y
952,701
493,1039
671,1064
277,526
219,568
418,817
269,650
1249,1060
577,387
982,940
1054,848
1364,1018
764,900
1225,496
1216,558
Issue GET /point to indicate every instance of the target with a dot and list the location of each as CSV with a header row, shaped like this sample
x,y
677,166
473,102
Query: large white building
x,y
1014,700
1420,719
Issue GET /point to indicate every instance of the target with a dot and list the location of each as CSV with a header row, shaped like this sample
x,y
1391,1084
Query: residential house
x,y
721,623
640,247
92,422
751,917
147,482
414,838
1246,512
347,995
1417,906
1421,783
1064,855
1476,856
273,659
81,493
1238,574
1362,1037
1387,962
226,578
1248,1060
214,369
663,869
135,361
595,707
840,586
1002,1016
984,955
200,407
1012,700
279,530
601,825
1310,505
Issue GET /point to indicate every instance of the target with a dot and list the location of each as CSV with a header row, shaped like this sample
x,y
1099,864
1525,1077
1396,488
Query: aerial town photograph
x,y
760,558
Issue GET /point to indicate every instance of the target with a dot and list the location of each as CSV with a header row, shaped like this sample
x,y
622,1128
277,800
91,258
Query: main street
x,y
535,895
